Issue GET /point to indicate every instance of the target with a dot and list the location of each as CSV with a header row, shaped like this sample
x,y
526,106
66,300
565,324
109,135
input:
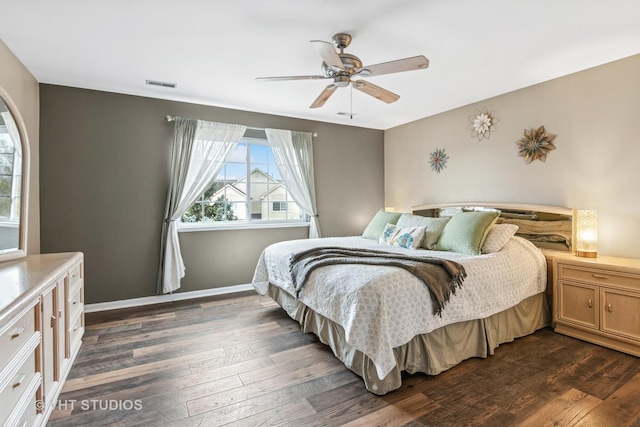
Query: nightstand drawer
x,y
14,334
600,277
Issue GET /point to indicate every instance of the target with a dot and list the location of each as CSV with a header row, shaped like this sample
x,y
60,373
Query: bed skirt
x,y
430,353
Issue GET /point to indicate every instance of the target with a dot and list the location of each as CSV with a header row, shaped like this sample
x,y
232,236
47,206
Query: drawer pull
x,y
610,308
590,303
19,382
17,333
53,321
600,276
74,302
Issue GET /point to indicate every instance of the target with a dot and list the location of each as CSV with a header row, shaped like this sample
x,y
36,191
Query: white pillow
x,y
497,237
404,237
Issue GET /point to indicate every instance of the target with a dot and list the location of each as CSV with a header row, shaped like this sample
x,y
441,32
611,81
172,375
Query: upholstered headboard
x,y
548,227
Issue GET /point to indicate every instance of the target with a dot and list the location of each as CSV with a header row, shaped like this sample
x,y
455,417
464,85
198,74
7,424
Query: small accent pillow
x,y
497,237
404,237
377,224
466,232
433,227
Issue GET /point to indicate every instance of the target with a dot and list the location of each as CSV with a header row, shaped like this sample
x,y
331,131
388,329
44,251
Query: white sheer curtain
x,y
293,152
200,150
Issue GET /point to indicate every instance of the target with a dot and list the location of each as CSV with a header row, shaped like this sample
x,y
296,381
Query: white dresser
x,y
41,327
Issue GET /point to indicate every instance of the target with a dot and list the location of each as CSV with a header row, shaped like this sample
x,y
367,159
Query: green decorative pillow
x,y
433,227
377,224
466,232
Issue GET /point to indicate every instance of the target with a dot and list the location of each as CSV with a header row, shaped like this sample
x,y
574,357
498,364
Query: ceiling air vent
x,y
161,84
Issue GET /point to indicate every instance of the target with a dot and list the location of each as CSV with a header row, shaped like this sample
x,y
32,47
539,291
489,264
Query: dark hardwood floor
x,y
240,361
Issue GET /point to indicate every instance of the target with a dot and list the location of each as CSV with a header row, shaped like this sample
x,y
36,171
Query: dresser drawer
x,y
15,333
17,386
600,277
76,302
30,413
75,276
75,334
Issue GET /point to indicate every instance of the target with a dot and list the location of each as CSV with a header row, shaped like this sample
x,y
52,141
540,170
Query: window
x,y
9,178
248,189
280,206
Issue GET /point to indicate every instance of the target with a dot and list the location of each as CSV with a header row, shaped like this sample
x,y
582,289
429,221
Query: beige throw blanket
x,y
441,276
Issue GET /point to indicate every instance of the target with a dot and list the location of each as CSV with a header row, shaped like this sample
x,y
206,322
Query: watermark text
x,y
91,405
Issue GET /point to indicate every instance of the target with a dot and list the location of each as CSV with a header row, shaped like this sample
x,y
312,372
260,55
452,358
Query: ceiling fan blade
x,y
376,91
406,64
283,78
328,53
324,95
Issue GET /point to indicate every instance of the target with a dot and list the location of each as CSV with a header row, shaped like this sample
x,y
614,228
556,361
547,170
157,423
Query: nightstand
x,y
598,300
549,255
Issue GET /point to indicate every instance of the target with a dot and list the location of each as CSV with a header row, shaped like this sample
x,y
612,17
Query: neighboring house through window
x,y
280,206
248,189
9,177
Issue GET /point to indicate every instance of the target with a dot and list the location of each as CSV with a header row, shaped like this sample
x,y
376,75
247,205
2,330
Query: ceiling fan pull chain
x,y
351,106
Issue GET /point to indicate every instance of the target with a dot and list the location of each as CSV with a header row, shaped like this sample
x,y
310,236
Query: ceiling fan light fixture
x,y
341,81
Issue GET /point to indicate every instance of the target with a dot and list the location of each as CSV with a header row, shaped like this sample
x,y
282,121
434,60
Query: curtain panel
x,y
200,149
293,152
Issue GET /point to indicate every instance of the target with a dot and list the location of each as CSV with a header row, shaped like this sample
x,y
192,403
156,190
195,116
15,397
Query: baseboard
x,y
158,299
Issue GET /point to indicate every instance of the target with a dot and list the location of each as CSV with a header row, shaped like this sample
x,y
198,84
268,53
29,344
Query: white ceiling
x,y
214,49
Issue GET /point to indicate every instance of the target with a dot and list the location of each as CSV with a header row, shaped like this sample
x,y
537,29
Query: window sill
x,y
183,228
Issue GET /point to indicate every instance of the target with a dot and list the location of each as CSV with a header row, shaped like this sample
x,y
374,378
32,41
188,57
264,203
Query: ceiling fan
x,y
341,67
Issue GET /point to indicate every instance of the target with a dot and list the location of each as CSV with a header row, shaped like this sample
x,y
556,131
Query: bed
x,y
379,320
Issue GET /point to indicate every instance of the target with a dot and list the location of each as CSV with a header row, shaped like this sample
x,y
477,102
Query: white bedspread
x,y
383,307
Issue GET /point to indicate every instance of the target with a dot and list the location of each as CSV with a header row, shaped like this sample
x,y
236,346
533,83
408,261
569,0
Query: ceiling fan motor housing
x,y
351,64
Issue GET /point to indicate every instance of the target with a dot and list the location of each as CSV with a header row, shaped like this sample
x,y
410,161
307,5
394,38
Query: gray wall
x,y
104,171
594,114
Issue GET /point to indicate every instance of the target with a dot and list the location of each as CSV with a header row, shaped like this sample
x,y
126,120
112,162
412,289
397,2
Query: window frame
x,y
248,223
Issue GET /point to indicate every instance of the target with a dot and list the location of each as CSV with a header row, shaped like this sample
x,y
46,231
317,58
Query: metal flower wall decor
x,y
482,123
535,144
438,160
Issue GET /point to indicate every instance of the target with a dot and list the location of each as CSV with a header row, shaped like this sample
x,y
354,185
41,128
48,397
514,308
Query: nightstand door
x,y
578,303
621,313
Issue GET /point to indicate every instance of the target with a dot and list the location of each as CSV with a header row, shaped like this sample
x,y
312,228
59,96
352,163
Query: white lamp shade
x,y
587,233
